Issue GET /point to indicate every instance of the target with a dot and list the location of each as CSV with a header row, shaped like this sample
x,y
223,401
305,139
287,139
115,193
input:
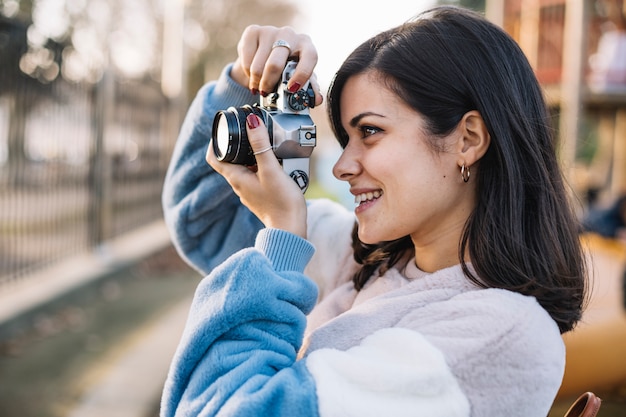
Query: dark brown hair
x,y
522,235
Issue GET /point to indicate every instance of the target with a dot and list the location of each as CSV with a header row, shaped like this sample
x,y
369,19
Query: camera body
x,y
291,130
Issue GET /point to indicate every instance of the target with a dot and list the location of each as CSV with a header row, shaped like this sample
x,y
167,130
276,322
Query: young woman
x,y
446,297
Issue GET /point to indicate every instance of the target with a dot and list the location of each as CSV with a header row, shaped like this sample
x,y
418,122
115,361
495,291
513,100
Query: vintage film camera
x,y
291,130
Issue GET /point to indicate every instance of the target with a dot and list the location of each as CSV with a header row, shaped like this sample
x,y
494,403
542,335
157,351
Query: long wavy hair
x,y
523,233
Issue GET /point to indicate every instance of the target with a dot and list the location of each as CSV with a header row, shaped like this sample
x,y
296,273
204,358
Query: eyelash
x,y
367,131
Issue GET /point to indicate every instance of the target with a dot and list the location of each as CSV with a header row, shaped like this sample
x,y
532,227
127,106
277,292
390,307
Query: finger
x,y
217,165
296,46
236,175
247,47
265,71
210,156
259,140
307,60
319,97
275,57
254,51
275,47
272,74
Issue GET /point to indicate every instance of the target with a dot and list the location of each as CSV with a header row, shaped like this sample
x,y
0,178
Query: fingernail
x,y
264,94
254,91
294,87
253,121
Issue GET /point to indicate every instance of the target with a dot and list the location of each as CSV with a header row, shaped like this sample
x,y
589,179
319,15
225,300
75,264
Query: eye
x,y
367,131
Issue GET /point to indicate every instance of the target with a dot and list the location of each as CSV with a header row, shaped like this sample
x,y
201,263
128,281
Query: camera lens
x,y
230,138
222,135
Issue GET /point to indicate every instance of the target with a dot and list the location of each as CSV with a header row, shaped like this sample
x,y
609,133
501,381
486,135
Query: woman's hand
x,y
259,65
265,189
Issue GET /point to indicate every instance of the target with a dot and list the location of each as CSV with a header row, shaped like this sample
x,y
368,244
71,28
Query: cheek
x,y
420,184
411,169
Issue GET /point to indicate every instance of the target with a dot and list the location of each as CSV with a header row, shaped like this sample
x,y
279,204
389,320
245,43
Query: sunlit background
x,y
92,95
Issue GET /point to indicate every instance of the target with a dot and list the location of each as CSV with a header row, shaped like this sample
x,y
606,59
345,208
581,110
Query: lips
x,y
368,196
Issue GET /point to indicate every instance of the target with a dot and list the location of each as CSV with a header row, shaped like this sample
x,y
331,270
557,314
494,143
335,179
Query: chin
x,y
369,242
366,238
372,239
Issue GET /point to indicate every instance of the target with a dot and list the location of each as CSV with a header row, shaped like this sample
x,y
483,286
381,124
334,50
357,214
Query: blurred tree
x,y
213,28
478,5
44,43
47,42
13,82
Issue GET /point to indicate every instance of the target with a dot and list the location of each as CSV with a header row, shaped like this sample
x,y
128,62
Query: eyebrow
x,y
356,119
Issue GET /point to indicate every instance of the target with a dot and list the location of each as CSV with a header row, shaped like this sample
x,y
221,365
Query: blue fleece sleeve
x,y
237,356
206,220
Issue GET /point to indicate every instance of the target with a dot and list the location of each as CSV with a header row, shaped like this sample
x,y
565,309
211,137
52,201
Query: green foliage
x,y
478,5
587,144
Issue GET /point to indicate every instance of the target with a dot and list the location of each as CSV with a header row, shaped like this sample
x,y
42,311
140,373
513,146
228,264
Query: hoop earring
x,y
465,173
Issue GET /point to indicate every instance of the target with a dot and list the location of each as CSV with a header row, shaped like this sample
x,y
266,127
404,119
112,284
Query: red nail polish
x,y
253,121
254,91
264,94
294,87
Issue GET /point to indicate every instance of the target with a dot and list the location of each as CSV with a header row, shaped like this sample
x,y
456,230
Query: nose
x,y
348,164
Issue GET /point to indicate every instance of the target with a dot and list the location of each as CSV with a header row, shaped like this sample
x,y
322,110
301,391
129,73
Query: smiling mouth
x,y
365,197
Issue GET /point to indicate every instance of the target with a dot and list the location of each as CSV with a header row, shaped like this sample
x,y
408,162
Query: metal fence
x,y
79,164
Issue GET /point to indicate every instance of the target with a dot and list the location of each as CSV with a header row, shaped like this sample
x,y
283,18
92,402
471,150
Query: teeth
x,y
359,198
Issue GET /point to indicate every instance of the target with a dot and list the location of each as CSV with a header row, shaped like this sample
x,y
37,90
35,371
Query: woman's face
x,y
402,186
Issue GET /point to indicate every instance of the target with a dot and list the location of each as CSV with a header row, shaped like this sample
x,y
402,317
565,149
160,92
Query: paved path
x,y
131,387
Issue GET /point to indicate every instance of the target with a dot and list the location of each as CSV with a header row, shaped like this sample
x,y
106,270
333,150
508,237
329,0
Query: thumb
x,y
259,141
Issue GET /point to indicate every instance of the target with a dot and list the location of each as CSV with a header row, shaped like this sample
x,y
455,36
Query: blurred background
x,y
92,94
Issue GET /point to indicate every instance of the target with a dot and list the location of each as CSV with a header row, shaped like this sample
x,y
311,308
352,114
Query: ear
x,y
474,138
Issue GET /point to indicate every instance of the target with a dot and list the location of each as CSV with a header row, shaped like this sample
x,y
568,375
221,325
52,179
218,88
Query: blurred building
x,y
91,100
578,51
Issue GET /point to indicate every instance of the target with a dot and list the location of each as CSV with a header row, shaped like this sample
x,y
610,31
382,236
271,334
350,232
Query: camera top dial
x,y
300,100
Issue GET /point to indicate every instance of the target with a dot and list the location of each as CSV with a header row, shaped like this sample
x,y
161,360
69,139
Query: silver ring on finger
x,y
281,43
262,150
